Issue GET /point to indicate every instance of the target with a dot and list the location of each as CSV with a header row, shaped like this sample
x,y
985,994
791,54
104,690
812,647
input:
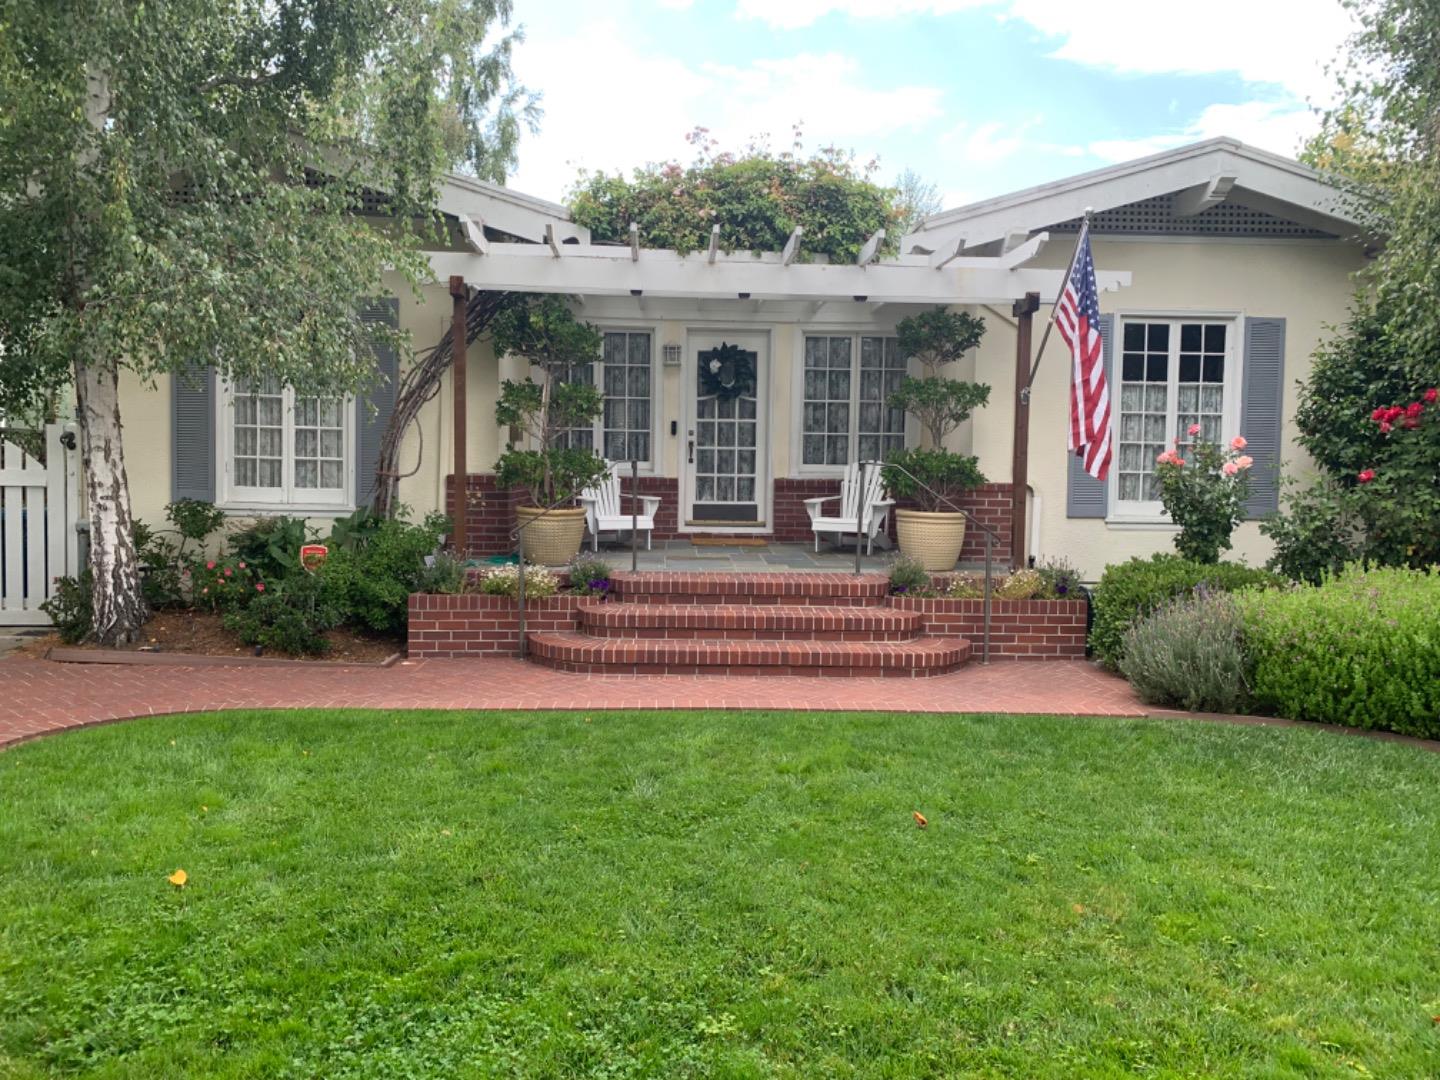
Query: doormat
x,y
729,541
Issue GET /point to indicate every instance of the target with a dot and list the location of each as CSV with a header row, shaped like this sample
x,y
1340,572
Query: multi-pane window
x,y
1172,375
285,448
624,376
848,380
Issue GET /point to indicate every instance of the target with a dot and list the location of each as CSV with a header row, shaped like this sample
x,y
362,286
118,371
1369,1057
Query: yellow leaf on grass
x,y
920,819
178,878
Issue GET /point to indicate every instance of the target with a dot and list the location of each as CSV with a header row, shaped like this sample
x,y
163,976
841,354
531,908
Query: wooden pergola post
x,y
1024,312
458,350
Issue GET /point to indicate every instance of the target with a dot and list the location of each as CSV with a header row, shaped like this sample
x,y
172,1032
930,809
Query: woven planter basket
x,y
554,539
931,539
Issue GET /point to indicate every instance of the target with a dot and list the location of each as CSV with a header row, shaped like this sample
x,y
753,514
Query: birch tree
x,y
189,183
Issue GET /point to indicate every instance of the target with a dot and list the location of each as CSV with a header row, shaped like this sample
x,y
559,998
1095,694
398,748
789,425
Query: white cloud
x,y
1276,41
1278,128
612,102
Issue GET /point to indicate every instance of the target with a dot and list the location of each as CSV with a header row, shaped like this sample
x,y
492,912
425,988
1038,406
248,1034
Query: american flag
x,y
1077,316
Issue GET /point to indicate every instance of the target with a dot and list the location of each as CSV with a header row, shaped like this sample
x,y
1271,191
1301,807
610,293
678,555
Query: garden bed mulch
x,y
197,634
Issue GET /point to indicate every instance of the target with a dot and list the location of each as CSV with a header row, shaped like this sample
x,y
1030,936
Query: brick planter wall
x,y
489,514
477,625
1019,629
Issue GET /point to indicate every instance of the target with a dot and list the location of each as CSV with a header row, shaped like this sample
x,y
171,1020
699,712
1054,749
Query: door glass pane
x,y
726,456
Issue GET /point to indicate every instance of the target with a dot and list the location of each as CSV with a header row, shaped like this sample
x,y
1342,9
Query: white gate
x,y
39,503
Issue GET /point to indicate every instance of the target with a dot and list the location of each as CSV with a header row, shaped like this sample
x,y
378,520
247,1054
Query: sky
x,y
979,97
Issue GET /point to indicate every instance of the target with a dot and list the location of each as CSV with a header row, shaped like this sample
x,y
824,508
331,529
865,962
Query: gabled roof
x,y
1196,178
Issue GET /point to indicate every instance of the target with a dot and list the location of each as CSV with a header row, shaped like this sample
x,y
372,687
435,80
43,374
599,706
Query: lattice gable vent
x,y
1156,217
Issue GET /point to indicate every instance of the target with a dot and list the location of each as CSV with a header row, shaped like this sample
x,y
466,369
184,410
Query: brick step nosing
x,y
735,621
646,655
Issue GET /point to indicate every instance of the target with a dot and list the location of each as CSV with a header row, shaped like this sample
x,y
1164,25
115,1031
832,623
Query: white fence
x,y
39,504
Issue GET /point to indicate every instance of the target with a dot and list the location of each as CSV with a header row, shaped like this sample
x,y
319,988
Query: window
x,y
1173,373
624,374
285,450
846,415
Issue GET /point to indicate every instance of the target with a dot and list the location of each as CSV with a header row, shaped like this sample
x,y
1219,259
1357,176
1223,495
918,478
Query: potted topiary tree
x,y
934,475
550,471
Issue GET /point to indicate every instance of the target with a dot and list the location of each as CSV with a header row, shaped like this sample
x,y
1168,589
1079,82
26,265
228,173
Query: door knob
x,y
690,451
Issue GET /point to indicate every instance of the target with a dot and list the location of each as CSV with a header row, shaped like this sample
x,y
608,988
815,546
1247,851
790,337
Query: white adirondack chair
x,y
860,513
603,513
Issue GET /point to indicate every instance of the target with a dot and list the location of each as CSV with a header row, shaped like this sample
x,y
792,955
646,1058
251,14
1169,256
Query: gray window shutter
x,y
1262,410
1086,497
370,423
192,434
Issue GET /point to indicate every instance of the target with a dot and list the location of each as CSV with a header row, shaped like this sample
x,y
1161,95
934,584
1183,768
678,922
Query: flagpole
x,y
1055,306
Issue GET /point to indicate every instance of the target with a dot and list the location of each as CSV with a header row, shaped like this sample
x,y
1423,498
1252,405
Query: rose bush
x,y
1205,495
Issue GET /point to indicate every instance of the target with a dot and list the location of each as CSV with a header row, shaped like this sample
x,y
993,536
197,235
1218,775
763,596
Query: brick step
x,y
670,587
736,622
646,656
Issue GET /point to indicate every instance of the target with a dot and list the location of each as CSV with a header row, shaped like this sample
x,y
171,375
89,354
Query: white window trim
x,y
797,392
1152,514
232,497
646,468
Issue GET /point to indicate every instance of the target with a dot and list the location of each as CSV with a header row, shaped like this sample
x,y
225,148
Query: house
x,y
1222,267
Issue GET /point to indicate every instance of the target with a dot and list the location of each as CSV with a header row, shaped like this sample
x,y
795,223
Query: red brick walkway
x,y
38,696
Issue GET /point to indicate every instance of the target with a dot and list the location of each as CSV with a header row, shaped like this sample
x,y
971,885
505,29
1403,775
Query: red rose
x,y
1394,413
1431,395
1366,475
1378,414
1411,422
1414,409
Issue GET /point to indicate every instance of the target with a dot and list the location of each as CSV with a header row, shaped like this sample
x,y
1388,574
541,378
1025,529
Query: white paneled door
x,y
725,465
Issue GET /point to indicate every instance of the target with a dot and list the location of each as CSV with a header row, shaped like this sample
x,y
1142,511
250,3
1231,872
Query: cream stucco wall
x,y
1308,283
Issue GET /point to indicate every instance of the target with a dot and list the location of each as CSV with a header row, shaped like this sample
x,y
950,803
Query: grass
x,y
730,895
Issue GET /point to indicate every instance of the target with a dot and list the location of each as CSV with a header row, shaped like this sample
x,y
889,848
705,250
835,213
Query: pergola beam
x,y
634,242
551,241
792,246
871,248
473,233
1019,256
948,254
714,251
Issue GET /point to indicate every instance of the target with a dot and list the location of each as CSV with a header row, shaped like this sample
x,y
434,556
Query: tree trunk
x,y
119,603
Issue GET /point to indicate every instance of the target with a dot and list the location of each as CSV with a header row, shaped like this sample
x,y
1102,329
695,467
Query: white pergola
x,y
580,268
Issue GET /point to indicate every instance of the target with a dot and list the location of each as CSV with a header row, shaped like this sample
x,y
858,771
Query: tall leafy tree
x,y
182,182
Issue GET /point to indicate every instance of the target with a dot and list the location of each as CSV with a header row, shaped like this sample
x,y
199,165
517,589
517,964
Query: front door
x,y
725,464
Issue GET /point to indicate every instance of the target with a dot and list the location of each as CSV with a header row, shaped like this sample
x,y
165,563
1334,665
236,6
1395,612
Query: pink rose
x,y
1229,468
204,592
1164,458
260,586
1193,430
210,565
1238,443
242,566
1180,462
1384,427
229,572
1244,461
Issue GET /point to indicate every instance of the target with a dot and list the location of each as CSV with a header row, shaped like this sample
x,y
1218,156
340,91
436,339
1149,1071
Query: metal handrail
x,y
520,548
990,537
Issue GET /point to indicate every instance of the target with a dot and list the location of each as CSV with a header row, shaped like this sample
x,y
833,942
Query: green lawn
x,y
737,895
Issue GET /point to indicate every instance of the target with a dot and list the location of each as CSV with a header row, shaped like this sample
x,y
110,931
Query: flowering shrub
x,y
1021,585
909,578
1360,649
966,587
589,576
221,585
505,581
1061,578
1205,495
1189,653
